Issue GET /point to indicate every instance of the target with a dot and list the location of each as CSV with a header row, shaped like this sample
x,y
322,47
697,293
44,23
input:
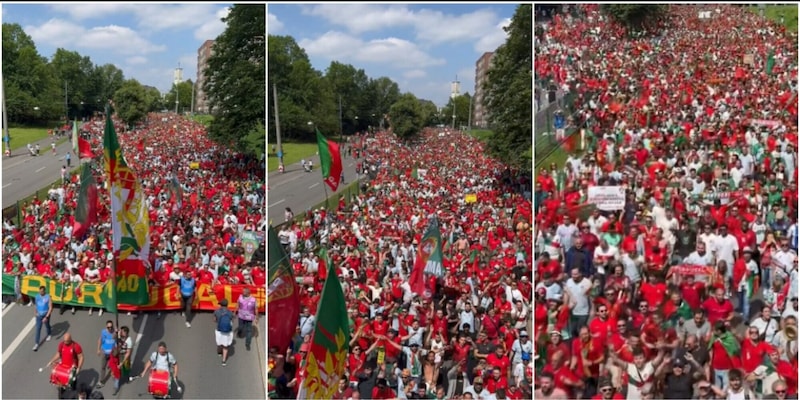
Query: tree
x,y
104,80
130,102
509,94
636,17
303,94
184,92
31,89
236,83
382,93
430,113
73,72
349,86
462,106
407,117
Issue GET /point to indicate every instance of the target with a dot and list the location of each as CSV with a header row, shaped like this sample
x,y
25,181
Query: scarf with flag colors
x,y
429,258
130,223
331,161
327,355
283,300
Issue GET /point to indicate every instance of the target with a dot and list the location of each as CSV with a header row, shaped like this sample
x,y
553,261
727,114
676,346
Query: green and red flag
x,y
730,344
770,61
331,161
327,356
283,299
130,223
86,211
429,258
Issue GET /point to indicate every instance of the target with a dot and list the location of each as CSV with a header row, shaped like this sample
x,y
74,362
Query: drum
x,y
62,376
158,384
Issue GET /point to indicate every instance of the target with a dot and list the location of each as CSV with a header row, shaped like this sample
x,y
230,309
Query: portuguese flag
x,y
130,223
331,161
86,211
327,356
429,258
283,300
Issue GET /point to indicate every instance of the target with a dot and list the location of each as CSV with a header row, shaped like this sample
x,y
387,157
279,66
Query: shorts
x,y
224,339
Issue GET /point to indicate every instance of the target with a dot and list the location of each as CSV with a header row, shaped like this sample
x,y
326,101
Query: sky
x,y
145,41
422,47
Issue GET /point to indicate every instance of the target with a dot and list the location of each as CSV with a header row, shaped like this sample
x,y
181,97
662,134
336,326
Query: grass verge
x,y
774,13
292,153
481,134
41,194
20,137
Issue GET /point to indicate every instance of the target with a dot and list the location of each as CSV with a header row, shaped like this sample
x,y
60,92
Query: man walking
x,y
44,307
248,315
224,332
105,344
188,285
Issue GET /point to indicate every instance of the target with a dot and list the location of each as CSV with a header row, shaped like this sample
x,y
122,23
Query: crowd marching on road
x,y
666,255
200,197
467,335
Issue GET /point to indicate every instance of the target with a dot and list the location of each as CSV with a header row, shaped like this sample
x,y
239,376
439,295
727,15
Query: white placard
x,y
607,198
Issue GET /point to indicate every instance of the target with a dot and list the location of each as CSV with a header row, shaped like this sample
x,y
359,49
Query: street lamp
x,y
356,122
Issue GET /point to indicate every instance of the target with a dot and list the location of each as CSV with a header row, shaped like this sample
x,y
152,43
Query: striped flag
x,y
130,223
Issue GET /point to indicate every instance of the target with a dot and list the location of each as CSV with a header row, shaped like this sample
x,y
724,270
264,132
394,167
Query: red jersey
x,y
753,354
69,353
717,311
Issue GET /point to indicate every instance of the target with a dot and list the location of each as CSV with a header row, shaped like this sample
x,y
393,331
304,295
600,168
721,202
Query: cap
x,y
523,333
604,382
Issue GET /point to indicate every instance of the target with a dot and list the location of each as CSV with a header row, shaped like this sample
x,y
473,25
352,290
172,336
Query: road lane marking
x,y
139,335
276,203
7,185
314,185
18,340
40,169
8,307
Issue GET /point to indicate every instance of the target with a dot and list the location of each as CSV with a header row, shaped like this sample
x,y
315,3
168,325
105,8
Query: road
x,y
24,174
300,190
200,372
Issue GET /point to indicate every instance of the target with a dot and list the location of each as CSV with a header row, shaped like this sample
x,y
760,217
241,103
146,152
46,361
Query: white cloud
x,y
494,38
274,26
396,52
430,26
94,10
415,74
119,39
212,28
136,60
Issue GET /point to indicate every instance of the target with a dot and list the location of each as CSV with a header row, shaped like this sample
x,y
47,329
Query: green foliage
x,y
775,12
39,91
130,102
430,113
204,119
153,100
509,93
292,153
236,77
462,108
305,94
635,16
183,91
407,116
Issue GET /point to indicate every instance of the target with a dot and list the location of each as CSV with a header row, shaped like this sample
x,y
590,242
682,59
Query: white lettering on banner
x,y
607,198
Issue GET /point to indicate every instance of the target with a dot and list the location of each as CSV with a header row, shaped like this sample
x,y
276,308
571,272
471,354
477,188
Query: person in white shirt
x,y
700,256
577,290
709,238
783,260
604,254
766,326
596,222
791,310
727,249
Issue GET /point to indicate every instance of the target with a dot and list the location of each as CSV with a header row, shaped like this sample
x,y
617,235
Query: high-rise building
x,y
480,114
203,55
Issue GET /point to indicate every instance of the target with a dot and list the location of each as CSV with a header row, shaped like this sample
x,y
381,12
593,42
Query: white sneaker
x,y
158,316
48,338
188,325
183,314
101,313
90,311
129,313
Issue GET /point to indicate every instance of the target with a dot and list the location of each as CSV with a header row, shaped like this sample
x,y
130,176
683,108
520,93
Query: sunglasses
x,y
606,390
780,392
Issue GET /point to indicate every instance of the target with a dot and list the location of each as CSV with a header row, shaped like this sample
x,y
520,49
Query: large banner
x,y
607,198
162,298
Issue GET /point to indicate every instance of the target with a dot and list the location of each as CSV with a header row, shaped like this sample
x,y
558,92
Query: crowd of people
x,y
471,338
683,282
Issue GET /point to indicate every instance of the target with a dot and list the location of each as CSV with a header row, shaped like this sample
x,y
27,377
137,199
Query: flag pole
x,y
114,289
325,187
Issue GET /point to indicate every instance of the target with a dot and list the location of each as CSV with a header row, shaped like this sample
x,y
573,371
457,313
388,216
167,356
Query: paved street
x,y
301,190
200,374
24,174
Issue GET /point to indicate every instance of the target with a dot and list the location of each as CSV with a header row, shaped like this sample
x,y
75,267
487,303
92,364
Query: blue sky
x,y
146,41
422,47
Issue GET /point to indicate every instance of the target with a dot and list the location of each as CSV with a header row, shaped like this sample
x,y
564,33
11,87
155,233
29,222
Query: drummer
x,y
69,354
162,360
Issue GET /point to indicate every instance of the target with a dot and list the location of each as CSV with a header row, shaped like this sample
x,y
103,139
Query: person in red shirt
x,y
461,349
653,291
69,355
692,291
499,360
496,381
602,326
753,350
717,308
382,391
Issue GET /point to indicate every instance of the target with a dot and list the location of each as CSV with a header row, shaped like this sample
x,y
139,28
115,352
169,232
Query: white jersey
x,y
162,362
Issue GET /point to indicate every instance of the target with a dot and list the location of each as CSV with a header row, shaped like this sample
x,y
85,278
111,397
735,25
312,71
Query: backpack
x,y
156,355
225,322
